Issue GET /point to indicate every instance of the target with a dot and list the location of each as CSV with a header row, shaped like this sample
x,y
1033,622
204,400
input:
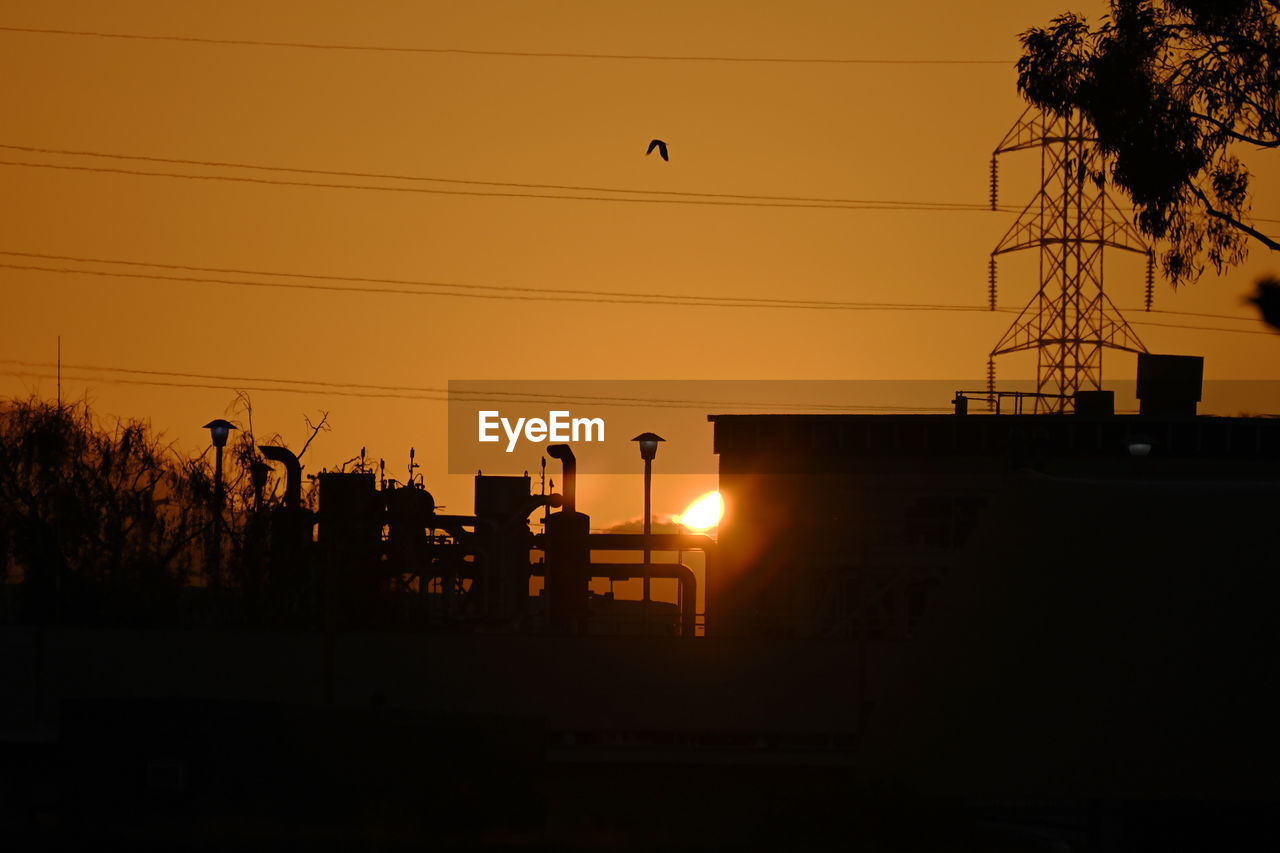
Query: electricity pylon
x,y
1070,220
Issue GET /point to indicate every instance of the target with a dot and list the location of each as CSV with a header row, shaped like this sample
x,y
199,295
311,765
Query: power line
x,y
173,374
631,296
523,54
1253,319
218,382
644,196
1201,328
723,202
525,294
510,184
539,294
205,385
490,287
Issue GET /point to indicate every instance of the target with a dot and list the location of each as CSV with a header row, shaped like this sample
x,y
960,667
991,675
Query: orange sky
x,y
916,132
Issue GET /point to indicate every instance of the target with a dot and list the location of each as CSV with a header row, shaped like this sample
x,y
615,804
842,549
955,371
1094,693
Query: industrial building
x,y
1059,606
840,525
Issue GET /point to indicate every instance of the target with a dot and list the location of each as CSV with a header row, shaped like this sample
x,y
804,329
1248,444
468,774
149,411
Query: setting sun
x,y
704,513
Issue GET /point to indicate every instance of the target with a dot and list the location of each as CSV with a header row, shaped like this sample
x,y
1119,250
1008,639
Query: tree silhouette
x,y
95,520
105,525
1173,88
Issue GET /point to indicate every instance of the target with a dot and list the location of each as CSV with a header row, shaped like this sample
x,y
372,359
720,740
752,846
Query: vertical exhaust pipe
x,y
568,486
568,555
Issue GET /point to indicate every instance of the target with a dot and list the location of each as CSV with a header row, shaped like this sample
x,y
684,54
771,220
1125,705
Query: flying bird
x,y
660,145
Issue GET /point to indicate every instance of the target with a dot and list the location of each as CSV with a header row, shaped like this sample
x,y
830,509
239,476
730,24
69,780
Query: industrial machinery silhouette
x,y
382,555
1070,220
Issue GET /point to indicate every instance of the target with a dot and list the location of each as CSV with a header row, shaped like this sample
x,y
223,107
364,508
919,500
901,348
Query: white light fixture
x,y
648,442
219,430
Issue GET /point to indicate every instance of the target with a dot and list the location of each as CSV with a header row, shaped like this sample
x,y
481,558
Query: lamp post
x,y
648,442
218,431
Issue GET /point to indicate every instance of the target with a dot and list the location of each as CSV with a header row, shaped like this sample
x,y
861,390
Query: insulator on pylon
x,y
991,381
1151,278
991,283
993,182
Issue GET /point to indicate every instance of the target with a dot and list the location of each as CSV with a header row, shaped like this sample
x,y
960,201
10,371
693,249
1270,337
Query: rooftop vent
x,y
1169,385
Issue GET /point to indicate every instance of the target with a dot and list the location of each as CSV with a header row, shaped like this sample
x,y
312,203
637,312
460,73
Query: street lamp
x,y
648,442
218,431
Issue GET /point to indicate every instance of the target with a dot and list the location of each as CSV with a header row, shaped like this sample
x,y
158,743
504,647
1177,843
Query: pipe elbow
x,y
293,471
564,453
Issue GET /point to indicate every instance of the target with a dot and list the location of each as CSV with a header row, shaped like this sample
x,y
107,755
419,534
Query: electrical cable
x,y
523,54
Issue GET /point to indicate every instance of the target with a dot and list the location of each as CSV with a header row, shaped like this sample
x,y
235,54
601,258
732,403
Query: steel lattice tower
x,y
1070,220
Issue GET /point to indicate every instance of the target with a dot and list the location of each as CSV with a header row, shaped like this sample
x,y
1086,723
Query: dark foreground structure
x,y
963,632
1077,622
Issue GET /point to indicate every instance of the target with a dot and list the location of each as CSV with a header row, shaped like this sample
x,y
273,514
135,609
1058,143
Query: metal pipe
x,y
471,543
678,571
682,573
568,485
667,542
654,541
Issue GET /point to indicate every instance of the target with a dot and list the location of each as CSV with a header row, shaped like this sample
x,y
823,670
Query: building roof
x,y
986,435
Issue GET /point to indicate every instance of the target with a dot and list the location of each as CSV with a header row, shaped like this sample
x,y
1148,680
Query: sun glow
x,y
704,513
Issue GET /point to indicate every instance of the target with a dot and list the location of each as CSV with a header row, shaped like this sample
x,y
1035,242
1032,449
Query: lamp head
x,y
219,430
648,442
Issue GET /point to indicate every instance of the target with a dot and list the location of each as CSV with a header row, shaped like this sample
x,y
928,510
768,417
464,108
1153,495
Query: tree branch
x,y
315,430
1235,134
1271,244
